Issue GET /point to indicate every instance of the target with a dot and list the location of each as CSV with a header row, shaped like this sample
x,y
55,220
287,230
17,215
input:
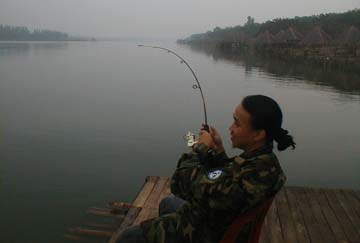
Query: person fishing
x,y
212,191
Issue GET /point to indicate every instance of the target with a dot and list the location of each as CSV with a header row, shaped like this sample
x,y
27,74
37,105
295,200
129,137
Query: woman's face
x,y
241,131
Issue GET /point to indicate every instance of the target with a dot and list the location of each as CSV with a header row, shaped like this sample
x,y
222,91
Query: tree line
x,y
332,23
15,33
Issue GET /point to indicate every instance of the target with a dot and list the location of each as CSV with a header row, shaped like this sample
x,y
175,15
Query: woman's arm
x,y
189,167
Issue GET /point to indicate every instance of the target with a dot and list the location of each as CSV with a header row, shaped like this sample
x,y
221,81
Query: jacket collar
x,y
266,149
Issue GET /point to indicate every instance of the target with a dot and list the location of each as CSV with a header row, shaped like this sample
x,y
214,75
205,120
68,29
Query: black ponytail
x,y
283,140
266,114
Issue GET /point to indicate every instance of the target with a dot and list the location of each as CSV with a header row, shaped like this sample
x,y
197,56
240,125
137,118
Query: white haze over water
x,y
155,18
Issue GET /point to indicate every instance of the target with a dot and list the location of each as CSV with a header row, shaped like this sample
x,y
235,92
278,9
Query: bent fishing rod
x,y
195,86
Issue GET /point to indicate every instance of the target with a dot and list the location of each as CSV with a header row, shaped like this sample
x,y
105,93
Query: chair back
x,y
256,216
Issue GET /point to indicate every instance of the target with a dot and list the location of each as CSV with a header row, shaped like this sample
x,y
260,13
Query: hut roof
x,y
316,37
293,34
289,35
280,36
265,38
352,35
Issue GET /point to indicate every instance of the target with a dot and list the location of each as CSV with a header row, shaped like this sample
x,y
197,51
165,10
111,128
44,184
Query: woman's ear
x,y
260,135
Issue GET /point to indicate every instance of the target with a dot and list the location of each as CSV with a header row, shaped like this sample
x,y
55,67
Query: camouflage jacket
x,y
217,189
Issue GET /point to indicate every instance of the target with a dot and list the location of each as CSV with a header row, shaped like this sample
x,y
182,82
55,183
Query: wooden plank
x,y
130,217
330,216
110,227
90,232
105,214
145,191
312,226
143,215
128,221
354,200
74,238
302,235
349,229
357,194
275,229
166,192
85,238
150,203
314,206
285,217
121,205
297,215
350,211
265,232
155,193
101,209
136,208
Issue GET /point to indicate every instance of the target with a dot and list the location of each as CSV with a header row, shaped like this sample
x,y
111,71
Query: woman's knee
x,y
170,204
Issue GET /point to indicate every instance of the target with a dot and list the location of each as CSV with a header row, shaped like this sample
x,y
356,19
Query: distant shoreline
x,y
20,33
331,39
4,41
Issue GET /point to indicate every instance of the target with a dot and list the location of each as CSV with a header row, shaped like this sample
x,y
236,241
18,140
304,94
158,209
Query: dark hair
x,y
266,114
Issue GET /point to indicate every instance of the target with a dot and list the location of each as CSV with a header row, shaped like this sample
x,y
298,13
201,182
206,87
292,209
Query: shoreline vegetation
x,y
332,40
19,33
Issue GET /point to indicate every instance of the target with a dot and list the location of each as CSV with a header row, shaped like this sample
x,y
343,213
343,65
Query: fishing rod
x,y
195,86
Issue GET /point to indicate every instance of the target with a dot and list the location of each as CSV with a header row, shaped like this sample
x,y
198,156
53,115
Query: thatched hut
x,y
317,37
351,36
265,38
289,36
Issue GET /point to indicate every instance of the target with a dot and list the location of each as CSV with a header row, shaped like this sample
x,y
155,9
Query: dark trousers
x,y
134,234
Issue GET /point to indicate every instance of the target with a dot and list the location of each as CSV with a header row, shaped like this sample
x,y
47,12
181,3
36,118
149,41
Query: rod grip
x,y
206,128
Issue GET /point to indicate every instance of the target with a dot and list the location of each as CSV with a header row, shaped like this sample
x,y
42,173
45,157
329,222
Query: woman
x,y
211,190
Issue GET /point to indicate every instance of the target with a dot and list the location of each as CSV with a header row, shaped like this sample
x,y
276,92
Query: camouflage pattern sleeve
x,y
187,168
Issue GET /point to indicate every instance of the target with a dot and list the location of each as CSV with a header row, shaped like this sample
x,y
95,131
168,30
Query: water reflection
x,y
13,48
344,82
25,48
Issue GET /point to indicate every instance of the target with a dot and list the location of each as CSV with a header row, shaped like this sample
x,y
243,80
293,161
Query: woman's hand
x,y
212,139
217,140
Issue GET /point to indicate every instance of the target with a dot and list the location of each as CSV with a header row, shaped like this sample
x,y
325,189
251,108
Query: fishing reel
x,y
190,139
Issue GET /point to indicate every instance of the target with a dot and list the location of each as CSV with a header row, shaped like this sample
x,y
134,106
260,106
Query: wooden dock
x,y
297,215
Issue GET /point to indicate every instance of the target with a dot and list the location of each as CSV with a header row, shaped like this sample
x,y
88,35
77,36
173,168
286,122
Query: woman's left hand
x,y
212,139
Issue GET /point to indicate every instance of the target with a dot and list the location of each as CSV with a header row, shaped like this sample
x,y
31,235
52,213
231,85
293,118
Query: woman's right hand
x,y
217,145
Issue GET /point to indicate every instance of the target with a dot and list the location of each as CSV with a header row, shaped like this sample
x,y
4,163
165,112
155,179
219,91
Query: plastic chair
x,y
257,216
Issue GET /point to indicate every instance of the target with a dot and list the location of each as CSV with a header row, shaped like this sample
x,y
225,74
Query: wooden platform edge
x,y
139,203
298,214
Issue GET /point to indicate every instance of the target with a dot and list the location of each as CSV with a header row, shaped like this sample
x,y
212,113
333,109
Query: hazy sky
x,y
155,18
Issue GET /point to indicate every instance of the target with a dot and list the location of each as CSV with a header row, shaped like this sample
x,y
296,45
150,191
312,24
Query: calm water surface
x,y
82,124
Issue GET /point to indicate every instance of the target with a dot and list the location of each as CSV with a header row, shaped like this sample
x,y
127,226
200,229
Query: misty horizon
x,y
158,19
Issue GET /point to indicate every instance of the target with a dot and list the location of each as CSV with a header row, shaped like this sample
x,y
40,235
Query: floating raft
x,y
297,215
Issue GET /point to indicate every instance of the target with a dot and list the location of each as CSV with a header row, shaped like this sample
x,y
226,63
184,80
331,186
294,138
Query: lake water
x,y
83,123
